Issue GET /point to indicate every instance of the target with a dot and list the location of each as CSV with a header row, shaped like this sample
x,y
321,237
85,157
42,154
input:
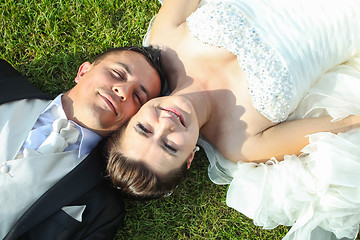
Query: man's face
x,y
109,93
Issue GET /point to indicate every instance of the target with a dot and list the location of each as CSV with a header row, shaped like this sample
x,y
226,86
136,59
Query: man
x,y
51,174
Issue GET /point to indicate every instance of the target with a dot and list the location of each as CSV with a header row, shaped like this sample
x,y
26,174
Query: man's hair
x,y
152,55
134,178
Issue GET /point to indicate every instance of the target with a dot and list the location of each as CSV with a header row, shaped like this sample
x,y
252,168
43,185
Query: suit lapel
x,y
83,178
16,124
14,87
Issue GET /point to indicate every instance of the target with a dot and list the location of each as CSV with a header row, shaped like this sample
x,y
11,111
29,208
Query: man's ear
x,y
82,70
190,159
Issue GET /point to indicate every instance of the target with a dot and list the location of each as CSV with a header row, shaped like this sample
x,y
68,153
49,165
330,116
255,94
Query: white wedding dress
x,y
301,61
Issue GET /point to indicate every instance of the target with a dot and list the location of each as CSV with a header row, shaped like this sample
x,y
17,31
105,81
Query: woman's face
x,y
163,133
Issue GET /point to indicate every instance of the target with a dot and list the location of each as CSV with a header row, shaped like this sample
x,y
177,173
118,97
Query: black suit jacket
x,y
84,185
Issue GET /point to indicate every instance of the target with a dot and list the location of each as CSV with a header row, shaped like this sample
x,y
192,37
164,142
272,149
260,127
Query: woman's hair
x,y
136,179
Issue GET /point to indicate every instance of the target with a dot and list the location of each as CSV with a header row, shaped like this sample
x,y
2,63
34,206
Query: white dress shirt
x,y
43,128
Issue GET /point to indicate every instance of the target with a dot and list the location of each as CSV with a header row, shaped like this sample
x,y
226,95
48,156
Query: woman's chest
x,y
234,121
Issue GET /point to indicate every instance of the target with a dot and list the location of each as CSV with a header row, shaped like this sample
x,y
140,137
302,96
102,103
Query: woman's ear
x,y
190,159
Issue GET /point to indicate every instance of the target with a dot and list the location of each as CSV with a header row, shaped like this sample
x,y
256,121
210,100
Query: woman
x,y
255,78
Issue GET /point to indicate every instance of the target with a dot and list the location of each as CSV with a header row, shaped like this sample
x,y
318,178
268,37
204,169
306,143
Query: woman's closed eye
x,y
168,148
140,128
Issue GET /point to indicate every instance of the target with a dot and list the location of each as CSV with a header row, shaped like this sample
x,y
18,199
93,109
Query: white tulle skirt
x,y
318,192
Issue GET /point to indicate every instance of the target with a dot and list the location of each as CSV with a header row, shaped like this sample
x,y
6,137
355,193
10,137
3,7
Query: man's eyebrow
x,y
125,66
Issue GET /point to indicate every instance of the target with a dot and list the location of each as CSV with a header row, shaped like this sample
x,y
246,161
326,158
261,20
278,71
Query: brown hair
x,y
136,179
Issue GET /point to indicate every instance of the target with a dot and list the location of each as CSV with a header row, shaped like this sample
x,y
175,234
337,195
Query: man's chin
x,y
105,131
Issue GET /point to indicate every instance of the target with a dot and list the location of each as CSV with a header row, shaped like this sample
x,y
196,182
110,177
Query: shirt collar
x,y
89,139
56,102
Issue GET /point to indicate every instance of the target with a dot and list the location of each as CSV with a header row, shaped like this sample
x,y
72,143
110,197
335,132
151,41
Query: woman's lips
x,y
175,113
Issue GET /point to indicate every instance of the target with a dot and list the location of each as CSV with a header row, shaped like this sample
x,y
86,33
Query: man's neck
x,y
67,104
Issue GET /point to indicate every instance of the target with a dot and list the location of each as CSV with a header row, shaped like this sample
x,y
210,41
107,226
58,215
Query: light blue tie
x,y
63,134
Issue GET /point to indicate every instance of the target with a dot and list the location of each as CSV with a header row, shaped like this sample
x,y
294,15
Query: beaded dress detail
x,y
269,83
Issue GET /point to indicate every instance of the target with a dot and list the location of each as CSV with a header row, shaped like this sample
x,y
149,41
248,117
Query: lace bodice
x,y
269,83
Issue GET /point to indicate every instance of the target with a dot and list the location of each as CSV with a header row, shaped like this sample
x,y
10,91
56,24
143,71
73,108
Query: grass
x,y
197,210
48,40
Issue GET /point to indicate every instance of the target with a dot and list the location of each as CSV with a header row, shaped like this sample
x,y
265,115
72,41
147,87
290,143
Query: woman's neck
x,y
198,97
181,84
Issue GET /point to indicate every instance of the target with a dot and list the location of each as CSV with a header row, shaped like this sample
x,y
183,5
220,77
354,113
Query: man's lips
x,y
175,113
110,102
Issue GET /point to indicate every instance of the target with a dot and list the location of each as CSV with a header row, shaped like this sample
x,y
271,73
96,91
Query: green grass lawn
x,y
48,40
197,210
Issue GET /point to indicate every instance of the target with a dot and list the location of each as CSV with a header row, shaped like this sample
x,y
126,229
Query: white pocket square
x,y
75,211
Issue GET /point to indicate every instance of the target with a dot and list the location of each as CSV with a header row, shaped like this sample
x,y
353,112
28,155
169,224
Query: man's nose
x,y
123,91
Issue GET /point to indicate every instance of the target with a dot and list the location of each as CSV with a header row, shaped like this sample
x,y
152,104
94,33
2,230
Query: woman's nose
x,y
164,126
167,123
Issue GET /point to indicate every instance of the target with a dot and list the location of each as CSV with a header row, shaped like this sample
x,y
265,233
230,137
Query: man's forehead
x,y
125,55
136,64
130,60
